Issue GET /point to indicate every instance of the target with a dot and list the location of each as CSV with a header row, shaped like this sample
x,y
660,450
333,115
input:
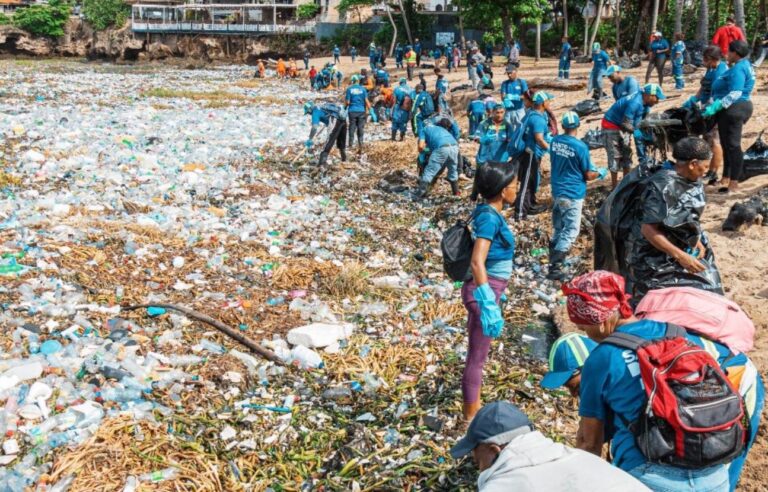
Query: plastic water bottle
x,y
159,475
184,360
121,394
392,437
306,357
34,343
212,347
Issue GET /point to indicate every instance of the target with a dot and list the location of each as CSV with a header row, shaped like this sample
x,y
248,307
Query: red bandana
x,y
594,297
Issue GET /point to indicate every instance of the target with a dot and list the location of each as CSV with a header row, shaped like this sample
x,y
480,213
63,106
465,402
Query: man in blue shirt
x,y
600,62
448,53
443,152
678,59
564,67
621,122
306,59
441,84
336,54
536,138
324,115
356,102
417,49
381,76
353,53
401,112
494,135
423,108
623,85
657,57
475,113
571,169
372,56
512,91
399,52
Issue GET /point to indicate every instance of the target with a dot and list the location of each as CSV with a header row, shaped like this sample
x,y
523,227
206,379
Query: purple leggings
x,y
479,344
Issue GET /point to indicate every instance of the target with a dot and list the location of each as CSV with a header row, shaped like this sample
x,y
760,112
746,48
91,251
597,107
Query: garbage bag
x,y
632,61
672,125
621,248
587,107
695,51
593,138
756,159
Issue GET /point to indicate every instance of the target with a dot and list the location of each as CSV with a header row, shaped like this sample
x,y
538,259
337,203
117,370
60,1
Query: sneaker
x,y
537,209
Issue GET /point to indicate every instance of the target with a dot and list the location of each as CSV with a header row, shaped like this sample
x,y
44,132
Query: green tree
x,y
307,11
102,14
356,5
4,19
43,20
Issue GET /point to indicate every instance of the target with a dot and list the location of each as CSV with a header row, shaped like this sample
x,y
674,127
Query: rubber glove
x,y
490,314
372,112
638,134
602,172
713,109
308,144
690,102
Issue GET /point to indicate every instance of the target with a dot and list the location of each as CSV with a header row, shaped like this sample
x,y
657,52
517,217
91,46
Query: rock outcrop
x,y
15,41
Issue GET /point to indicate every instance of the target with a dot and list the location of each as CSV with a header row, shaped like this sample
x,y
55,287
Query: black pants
x,y
418,59
356,126
730,123
337,136
658,64
527,174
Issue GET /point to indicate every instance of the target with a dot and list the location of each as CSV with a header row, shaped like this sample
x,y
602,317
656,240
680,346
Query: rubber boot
x,y
323,159
394,135
421,192
470,409
455,188
556,272
402,135
343,154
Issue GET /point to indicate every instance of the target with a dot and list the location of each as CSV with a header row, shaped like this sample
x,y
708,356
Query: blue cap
x,y
308,107
541,97
569,352
496,423
595,46
653,90
612,70
403,81
355,79
570,120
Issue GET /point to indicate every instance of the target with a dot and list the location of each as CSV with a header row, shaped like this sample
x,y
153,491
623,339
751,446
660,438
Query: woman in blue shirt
x,y
600,62
657,57
492,262
678,59
715,68
733,108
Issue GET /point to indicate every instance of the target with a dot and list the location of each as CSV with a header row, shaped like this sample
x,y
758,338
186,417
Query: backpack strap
x,y
674,331
625,340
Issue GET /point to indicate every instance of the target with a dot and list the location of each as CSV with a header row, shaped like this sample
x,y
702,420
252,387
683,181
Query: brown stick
x,y
231,333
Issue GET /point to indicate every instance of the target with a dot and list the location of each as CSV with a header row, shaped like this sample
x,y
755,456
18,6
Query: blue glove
x,y
691,102
713,108
490,314
602,172
308,144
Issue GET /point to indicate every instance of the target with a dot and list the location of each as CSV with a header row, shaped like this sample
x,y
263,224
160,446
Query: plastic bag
x,y
587,107
674,124
756,159
620,247
593,139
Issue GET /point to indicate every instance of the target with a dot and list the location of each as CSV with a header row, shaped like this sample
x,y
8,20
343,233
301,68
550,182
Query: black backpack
x,y
457,245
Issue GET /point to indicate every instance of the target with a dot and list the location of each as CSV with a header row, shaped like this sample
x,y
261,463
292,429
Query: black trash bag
x,y
627,62
689,123
621,248
586,107
695,52
756,159
594,139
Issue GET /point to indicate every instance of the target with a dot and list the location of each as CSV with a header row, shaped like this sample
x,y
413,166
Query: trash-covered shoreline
x,y
150,186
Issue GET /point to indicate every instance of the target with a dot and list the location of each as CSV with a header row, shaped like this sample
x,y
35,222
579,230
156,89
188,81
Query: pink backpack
x,y
706,313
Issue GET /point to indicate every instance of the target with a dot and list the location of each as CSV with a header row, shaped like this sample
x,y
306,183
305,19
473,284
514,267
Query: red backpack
x,y
694,415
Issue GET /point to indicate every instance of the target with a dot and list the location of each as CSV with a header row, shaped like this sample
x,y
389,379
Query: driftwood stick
x,y
231,333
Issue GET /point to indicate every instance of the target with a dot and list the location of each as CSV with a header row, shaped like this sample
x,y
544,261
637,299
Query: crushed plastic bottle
x,y
159,475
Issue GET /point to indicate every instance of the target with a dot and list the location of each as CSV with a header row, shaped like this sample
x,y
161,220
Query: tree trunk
x,y
586,36
521,37
394,30
679,16
654,15
702,24
717,13
461,30
738,14
641,25
598,15
405,22
617,19
565,17
538,41
506,24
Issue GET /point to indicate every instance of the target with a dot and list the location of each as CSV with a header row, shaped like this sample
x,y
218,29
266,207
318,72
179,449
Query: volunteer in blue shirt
x,y
306,59
417,48
492,262
448,53
566,360
611,388
571,169
535,136
678,60
372,56
657,57
441,84
336,54
452,127
353,54
494,135
423,108
715,68
600,62
512,91
475,113
323,115
564,67
401,113
356,102
399,52
381,76
443,153
621,122
731,94
623,85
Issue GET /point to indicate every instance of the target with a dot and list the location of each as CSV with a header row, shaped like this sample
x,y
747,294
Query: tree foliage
x,y
4,19
307,11
102,14
43,20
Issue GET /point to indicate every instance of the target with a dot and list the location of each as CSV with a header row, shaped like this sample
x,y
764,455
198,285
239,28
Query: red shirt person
x,y
726,34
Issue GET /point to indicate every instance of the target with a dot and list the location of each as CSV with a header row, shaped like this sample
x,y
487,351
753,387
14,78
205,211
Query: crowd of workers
x,y
515,128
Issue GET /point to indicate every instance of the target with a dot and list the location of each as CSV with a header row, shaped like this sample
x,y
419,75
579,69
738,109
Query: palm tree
x,y
598,14
654,15
738,14
405,21
678,16
702,25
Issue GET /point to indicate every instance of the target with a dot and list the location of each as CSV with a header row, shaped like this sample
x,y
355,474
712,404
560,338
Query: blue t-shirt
x,y
455,129
740,77
535,123
399,52
353,51
417,48
600,59
356,97
401,92
336,51
424,104
371,53
710,76
626,87
514,89
382,75
322,114
442,85
496,149
436,137
610,382
569,158
489,224
658,46
678,49
565,52
627,108
476,108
